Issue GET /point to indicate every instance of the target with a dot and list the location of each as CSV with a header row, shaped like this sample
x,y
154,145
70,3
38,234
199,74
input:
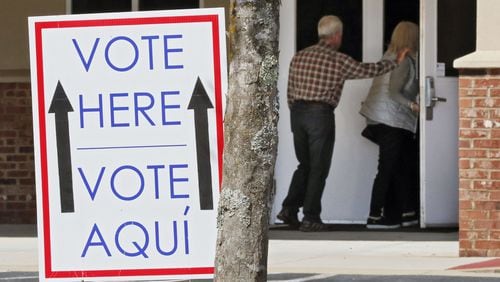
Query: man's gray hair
x,y
328,26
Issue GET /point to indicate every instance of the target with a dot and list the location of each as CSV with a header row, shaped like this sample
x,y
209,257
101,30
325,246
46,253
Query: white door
x,y
439,128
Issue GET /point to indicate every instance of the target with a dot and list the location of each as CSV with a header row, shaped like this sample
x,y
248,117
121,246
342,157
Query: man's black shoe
x,y
313,226
289,218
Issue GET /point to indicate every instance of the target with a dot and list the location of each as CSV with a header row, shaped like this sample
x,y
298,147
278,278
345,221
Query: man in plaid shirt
x,y
316,78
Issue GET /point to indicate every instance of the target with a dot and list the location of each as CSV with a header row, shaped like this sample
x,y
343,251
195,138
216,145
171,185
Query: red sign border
x,y
39,27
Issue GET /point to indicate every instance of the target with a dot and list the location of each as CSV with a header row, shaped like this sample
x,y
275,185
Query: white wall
x,y
487,25
487,54
348,187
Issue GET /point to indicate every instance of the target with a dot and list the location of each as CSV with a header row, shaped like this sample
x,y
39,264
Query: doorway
x,y
347,192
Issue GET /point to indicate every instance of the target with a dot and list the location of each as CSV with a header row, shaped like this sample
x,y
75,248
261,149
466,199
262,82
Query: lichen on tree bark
x,y
250,137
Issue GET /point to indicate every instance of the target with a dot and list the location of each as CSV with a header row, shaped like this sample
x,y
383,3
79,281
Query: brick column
x,y
479,162
17,173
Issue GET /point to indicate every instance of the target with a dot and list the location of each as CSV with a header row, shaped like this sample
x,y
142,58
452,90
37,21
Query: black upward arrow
x,y
200,102
61,106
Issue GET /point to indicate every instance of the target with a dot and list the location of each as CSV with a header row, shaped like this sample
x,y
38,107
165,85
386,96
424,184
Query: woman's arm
x,y
399,78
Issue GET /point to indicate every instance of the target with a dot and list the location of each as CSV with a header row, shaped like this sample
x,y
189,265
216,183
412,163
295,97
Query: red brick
x,y
465,164
486,185
465,184
18,174
474,215
466,144
484,205
465,103
465,244
465,83
464,93
473,133
7,134
4,87
493,253
486,83
11,141
473,113
495,133
493,154
473,235
464,204
16,154
494,144
495,195
474,195
472,174
29,182
25,149
465,123
8,181
494,215
463,235
494,92
475,153
483,123
17,158
495,175
472,253
494,115
485,164
487,244
487,103
466,225
5,165
485,224
495,234
7,150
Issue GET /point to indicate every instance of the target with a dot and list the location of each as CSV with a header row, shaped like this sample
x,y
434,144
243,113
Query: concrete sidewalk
x,y
319,256
363,252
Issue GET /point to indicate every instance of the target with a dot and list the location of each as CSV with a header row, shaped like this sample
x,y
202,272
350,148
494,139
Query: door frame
x,y
428,67
425,61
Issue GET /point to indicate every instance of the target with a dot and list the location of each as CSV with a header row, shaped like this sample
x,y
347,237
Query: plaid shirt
x,y
318,72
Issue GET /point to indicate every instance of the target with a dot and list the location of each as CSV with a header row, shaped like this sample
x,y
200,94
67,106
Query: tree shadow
x,y
358,232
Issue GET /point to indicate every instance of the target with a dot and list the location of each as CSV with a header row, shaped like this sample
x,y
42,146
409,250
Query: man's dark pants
x,y
313,128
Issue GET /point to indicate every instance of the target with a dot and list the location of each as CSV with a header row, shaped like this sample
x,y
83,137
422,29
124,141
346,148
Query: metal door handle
x,y
438,99
431,98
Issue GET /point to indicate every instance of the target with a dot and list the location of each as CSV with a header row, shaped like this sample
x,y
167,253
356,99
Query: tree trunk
x,y
250,142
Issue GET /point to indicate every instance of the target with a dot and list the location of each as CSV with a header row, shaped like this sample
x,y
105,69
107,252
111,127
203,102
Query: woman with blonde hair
x,y
391,112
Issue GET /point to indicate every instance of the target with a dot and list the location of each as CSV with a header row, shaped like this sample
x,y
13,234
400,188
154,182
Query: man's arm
x,y
356,70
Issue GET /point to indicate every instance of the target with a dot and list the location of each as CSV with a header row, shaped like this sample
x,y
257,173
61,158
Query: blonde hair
x,y
328,26
405,35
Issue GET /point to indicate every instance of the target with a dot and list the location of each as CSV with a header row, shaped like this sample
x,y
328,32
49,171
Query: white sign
x,y
127,111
